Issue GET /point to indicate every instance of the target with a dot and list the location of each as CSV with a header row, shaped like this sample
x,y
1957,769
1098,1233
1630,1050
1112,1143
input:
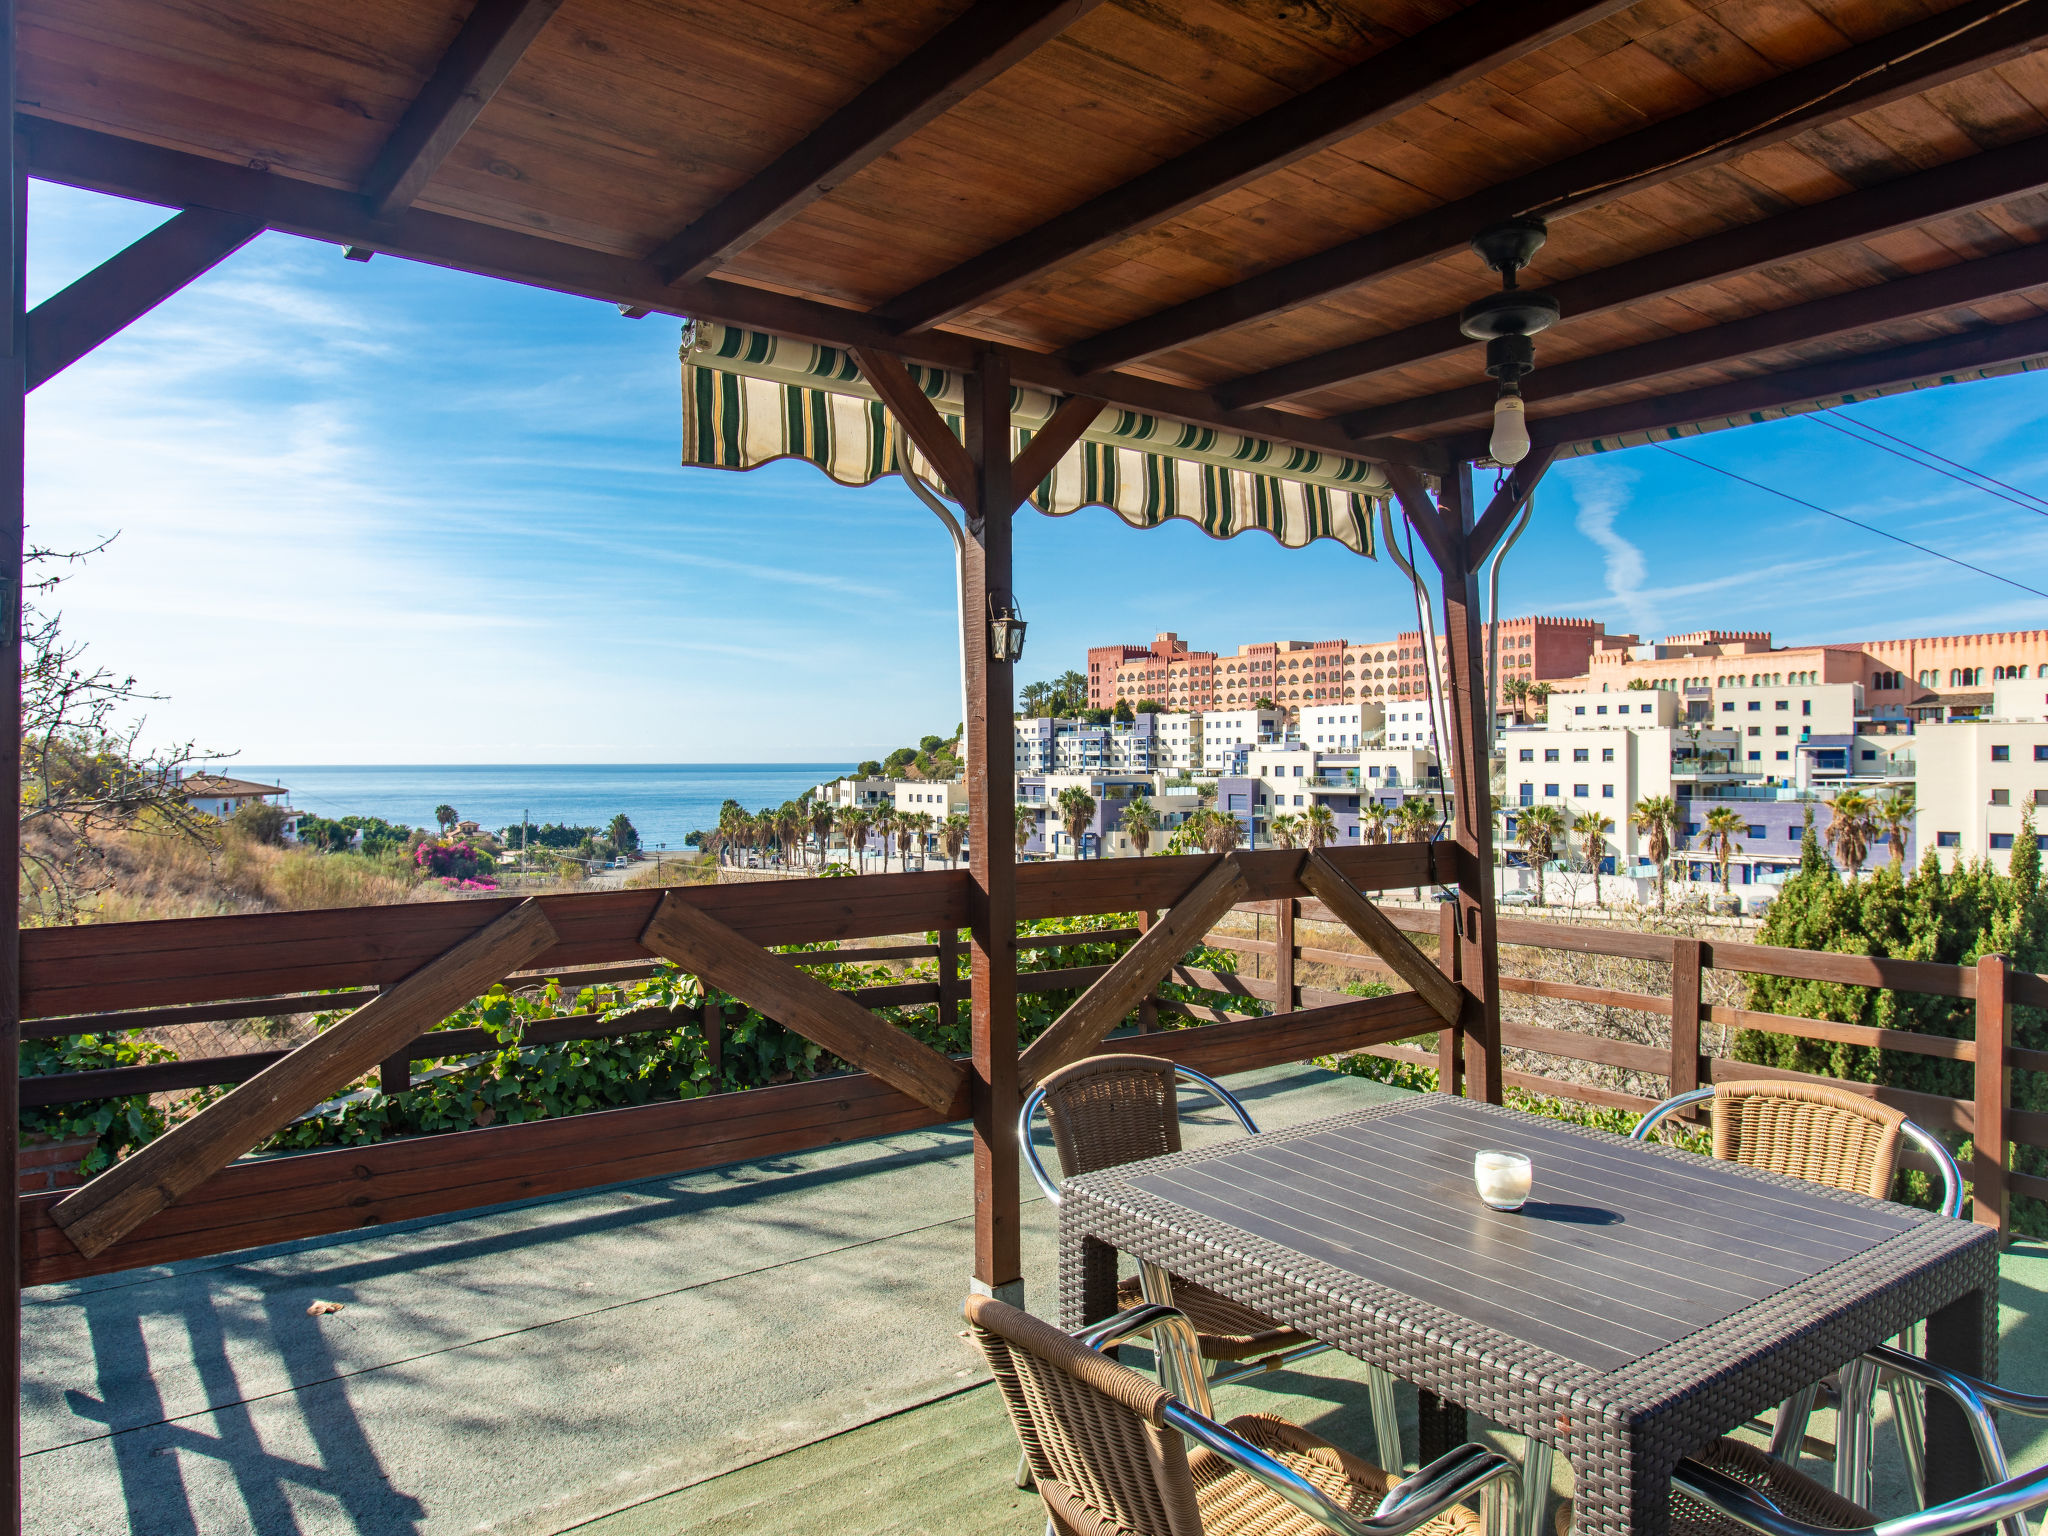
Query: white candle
x,y
1502,1179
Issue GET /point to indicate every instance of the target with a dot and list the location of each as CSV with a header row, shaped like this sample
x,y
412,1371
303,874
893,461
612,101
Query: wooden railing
x,y
151,975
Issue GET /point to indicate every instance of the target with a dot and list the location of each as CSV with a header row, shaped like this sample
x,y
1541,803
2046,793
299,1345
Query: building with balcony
x,y
1976,777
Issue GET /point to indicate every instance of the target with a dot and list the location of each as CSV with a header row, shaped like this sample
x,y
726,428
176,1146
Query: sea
x,y
666,801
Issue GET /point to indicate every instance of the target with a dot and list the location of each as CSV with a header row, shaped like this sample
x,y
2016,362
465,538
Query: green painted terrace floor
x,y
763,1347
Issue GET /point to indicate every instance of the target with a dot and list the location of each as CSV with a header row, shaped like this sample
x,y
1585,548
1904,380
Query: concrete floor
x,y
529,1368
763,1347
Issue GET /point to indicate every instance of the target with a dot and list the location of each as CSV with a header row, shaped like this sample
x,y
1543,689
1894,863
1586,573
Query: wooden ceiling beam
x,y
1911,59
970,51
1987,347
1906,298
1999,174
491,41
1476,40
100,162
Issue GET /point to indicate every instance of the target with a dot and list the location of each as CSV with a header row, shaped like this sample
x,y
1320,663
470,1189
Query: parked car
x,y
1515,899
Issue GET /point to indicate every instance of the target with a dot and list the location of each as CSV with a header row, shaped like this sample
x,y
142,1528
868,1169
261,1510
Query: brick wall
x,y
47,1165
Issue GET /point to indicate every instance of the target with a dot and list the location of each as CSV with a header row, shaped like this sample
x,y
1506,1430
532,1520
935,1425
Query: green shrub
x,y
120,1124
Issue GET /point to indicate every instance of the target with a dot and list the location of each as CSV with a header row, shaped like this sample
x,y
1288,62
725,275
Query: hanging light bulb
x,y
1510,441
1506,321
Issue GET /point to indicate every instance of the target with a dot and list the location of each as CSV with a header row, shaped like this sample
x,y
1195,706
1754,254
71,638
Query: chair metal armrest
x,y
1650,1121
1951,1175
1436,1488
1180,1350
1049,1187
1748,1507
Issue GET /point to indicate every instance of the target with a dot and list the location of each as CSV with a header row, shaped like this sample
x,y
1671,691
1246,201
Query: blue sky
x,y
384,513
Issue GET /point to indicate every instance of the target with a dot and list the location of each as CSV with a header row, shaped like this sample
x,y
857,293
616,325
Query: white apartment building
x,y
937,800
1407,722
849,792
1976,776
1601,753
1340,727
1228,733
1177,744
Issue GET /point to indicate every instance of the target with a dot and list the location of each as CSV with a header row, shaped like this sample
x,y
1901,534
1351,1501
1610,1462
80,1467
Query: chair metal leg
x,y
1855,1422
1789,1434
1536,1460
1181,1370
1908,1420
1386,1420
1024,1478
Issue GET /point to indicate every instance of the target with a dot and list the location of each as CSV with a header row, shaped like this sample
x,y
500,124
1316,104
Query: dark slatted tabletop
x,y
1644,1301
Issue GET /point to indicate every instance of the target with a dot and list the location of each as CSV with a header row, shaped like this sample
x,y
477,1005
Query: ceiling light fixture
x,y
1506,321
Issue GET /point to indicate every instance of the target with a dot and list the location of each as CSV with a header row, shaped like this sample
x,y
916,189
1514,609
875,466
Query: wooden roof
x,y
1249,213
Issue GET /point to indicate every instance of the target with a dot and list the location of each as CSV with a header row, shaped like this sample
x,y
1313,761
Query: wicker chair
x,y
1114,1109
1109,1455
1733,1489
1845,1141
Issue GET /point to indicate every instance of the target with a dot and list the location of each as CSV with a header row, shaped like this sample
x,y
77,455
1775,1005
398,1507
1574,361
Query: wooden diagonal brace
x,y
1097,1011
1442,994
921,422
111,1206
707,949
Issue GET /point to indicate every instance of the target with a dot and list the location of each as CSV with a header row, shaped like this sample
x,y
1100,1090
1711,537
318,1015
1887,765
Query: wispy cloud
x,y
1601,495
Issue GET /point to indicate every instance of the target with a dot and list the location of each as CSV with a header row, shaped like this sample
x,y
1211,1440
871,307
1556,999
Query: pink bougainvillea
x,y
456,861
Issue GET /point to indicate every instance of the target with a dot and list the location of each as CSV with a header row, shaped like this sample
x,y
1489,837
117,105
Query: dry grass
x,y
669,872
151,876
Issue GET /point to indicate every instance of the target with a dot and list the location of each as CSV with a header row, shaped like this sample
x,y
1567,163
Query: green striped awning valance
x,y
751,398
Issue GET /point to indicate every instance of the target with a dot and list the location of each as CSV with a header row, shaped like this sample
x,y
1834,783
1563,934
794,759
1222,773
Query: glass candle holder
x,y
1502,1179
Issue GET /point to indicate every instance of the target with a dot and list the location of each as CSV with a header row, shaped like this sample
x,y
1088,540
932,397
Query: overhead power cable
x,y
1852,522
2017,496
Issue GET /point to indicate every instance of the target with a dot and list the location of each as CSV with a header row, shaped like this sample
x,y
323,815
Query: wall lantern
x,y
1506,321
1005,628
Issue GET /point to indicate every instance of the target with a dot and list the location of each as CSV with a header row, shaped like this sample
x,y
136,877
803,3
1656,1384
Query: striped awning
x,y
750,398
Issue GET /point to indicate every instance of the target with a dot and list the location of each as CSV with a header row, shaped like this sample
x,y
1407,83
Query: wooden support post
x,y
989,499
714,1032
13,397
1283,953
394,1073
1687,962
1137,971
101,1213
1987,1166
1450,1040
1148,1010
700,944
949,978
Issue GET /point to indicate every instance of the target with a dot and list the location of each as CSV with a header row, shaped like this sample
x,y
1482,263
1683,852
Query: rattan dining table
x,y
1643,1302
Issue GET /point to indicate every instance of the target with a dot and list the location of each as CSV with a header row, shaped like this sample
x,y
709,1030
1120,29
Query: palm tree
x,y
853,826
1851,828
1318,826
1593,830
883,823
1895,819
1221,832
792,829
911,829
1027,825
445,816
1077,809
1539,828
1373,817
953,833
1281,828
1139,822
1656,817
822,819
1718,837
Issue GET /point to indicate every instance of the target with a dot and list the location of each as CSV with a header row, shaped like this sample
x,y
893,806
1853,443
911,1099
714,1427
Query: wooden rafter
x,y
1854,80
100,1213
1440,58
1137,971
1372,925
1986,347
970,51
99,162
1903,298
708,949
1995,176
491,42
128,285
